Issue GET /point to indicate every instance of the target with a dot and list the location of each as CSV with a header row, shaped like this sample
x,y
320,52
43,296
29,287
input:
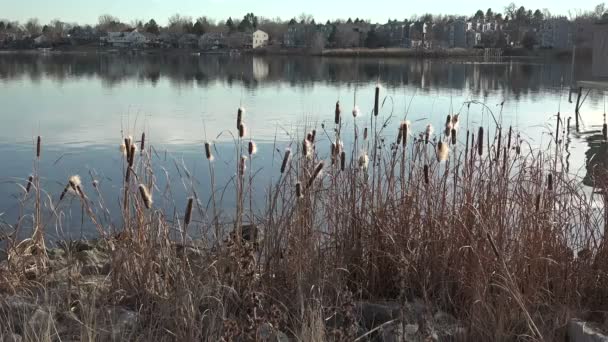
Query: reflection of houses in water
x,y
596,161
261,69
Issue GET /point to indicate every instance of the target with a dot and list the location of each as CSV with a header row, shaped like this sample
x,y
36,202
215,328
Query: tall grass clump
x,y
503,238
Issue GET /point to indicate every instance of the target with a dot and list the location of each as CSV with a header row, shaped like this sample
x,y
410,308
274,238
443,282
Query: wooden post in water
x,y
578,103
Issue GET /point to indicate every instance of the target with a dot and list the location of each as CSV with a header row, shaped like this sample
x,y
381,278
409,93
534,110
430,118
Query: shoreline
x,y
331,53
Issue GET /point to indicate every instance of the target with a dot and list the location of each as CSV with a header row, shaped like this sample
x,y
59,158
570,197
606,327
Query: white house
x,y
125,39
260,39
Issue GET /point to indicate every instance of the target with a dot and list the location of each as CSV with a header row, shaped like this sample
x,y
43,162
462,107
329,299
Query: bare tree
x,y
32,26
179,23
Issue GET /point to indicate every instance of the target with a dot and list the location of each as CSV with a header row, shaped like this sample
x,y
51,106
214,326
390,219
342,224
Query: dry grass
x,y
493,232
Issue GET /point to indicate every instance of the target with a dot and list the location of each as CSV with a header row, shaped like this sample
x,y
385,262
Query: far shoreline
x,y
452,53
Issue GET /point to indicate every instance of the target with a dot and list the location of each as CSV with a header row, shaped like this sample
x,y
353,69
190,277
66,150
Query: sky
x,y
87,12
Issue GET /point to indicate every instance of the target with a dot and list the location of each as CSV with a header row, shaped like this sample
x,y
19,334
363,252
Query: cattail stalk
x,y
337,112
315,174
285,160
38,147
145,196
480,141
377,101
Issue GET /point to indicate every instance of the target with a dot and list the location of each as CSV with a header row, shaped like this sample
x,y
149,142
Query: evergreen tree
x,y
230,25
152,27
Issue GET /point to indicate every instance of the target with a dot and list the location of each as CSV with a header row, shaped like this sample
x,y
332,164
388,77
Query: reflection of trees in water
x,y
512,79
596,161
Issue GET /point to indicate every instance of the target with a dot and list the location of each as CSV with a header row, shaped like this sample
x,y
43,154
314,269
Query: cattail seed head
x,y
315,174
355,111
188,214
299,193
342,161
365,133
480,141
427,134
285,160
123,149
314,135
145,196
75,182
448,128
377,100
455,121
252,148
143,142
453,136
242,165
509,138
605,131
404,129
363,162
28,186
208,152
448,120
239,117
537,202
442,151
307,149
550,182
38,147
132,155
309,136
242,130
426,174
338,113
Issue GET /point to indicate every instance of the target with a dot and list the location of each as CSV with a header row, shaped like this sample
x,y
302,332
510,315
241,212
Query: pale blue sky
x,y
87,11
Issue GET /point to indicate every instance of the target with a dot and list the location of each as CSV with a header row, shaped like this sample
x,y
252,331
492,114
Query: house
x,y
600,51
556,33
259,39
458,34
188,41
42,40
395,32
125,39
212,41
417,34
473,39
168,40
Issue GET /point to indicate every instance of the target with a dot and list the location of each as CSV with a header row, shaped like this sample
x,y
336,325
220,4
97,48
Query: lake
x,y
83,104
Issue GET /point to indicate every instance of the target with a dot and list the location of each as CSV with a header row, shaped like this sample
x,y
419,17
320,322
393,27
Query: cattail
x,y
365,133
404,130
355,111
285,160
143,141
333,149
132,155
498,144
537,204
307,148
428,133
28,186
399,136
314,135
509,138
455,121
95,184
448,128
343,161
145,196
518,150
239,117
550,182
38,147
123,149
315,174
75,182
242,130
363,162
127,148
299,193
605,131
426,174
377,100
480,141
453,136
442,151
188,214
557,128
338,112
208,151
309,136
242,165
448,120
253,148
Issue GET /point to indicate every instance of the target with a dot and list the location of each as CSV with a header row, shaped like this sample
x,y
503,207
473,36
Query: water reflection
x,y
512,78
596,160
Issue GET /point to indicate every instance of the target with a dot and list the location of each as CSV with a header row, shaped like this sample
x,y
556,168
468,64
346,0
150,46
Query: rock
x,y
580,331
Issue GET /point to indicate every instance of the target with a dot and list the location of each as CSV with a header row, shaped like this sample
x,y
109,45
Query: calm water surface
x,y
82,104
